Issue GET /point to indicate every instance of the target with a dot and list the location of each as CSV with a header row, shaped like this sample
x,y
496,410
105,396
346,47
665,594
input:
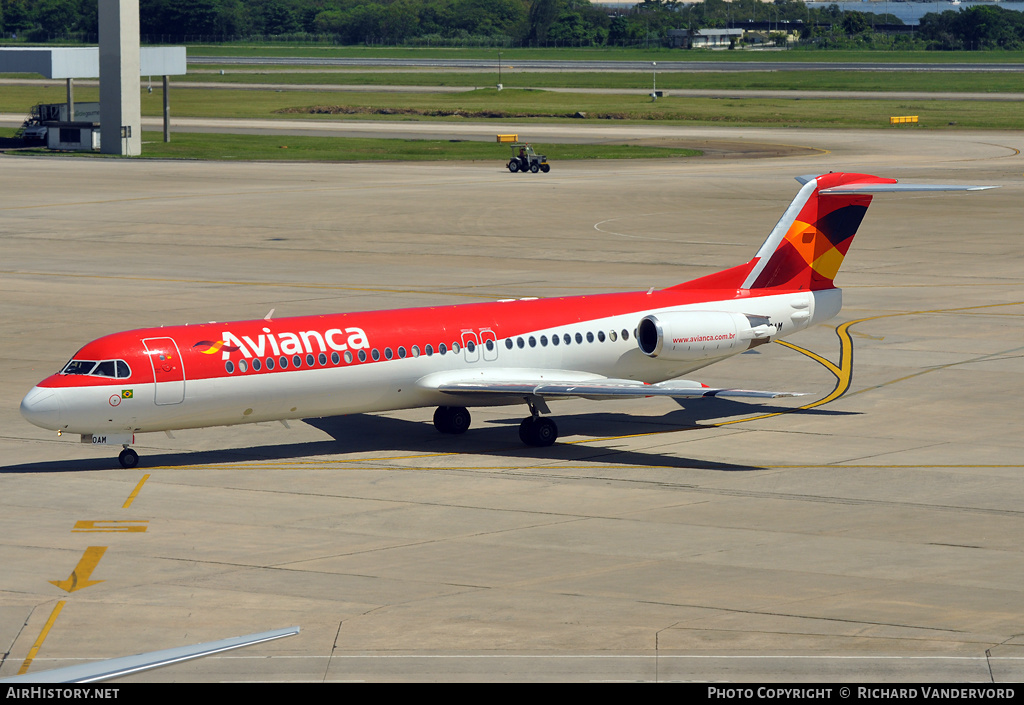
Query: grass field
x,y
525,105
616,54
295,148
972,82
486,104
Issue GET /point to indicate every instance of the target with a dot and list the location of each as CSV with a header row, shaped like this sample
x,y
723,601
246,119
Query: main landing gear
x,y
538,431
128,458
535,430
451,419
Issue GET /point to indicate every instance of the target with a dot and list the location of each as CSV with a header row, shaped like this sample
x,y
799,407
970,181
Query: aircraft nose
x,y
42,408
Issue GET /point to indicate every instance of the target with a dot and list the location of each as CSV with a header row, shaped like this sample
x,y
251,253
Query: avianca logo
x,y
212,347
307,341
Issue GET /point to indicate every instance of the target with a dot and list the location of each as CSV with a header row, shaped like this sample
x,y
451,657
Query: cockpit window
x,y
78,367
105,369
117,369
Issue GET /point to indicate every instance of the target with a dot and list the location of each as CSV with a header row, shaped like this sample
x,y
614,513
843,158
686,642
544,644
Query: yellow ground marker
x,y
42,637
135,492
79,578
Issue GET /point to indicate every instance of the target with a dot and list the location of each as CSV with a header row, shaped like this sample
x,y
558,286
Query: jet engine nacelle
x,y
699,335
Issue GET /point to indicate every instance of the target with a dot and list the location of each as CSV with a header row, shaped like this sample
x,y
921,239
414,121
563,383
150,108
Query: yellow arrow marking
x,y
79,577
42,637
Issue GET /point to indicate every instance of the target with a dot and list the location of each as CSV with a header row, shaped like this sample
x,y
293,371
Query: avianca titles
x,y
526,351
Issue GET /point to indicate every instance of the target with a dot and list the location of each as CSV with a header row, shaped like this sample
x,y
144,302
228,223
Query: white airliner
x,y
506,352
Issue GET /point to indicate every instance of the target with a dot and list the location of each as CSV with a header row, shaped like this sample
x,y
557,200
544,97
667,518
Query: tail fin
x,y
806,247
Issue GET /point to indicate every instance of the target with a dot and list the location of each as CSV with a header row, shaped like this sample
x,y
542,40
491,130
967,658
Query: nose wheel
x,y
128,458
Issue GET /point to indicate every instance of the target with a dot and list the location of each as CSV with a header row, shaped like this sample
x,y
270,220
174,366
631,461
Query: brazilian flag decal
x,y
127,393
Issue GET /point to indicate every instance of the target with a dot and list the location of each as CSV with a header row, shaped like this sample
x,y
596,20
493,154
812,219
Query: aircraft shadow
x,y
365,433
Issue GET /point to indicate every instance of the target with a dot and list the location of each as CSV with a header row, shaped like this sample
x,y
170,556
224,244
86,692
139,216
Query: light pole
x,y
499,69
654,80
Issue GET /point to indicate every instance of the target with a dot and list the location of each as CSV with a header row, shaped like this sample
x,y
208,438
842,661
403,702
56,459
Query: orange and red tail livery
x,y
815,234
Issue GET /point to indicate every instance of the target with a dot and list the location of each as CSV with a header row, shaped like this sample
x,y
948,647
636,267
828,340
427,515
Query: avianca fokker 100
x,y
606,346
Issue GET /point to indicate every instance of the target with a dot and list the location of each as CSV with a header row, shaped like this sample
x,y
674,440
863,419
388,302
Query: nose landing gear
x,y
128,458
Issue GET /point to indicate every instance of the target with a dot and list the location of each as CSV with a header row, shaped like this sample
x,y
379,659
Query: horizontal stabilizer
x,y
855,188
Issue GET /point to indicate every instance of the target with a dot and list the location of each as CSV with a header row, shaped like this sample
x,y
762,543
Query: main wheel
x,y
539,432
128,458
534,168
524,430
458,419
451,419
513,166
545,432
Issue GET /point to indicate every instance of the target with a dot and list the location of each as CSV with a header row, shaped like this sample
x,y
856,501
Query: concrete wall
x,y
120,101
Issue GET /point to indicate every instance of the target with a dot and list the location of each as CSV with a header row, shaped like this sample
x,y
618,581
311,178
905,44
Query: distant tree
x,y
579,23
855,23
976,28
542,14
88,16
191,17
278,17
17,16
235,18
56,17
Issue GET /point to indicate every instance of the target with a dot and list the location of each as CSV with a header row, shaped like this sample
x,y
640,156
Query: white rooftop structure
x,y
69,63
84,62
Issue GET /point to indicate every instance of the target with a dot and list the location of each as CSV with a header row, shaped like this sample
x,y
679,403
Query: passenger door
x,y
168,370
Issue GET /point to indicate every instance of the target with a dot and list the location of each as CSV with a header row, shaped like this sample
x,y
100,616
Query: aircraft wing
x,y
125,665
549,385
